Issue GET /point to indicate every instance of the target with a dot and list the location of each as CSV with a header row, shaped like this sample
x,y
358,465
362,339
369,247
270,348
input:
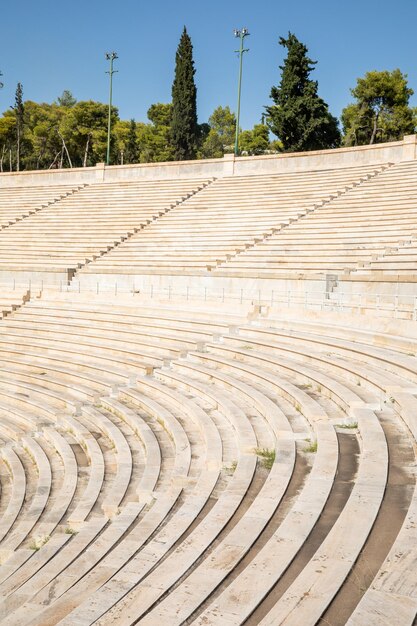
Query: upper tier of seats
x,y
17,203
359,219
86,224
345,234
225,218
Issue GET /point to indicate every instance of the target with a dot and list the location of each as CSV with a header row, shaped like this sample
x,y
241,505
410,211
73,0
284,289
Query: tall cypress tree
x,y
19,111
184,127
299,117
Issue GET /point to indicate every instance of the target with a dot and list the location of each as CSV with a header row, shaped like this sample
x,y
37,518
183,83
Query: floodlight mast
x,y
241,34
110,56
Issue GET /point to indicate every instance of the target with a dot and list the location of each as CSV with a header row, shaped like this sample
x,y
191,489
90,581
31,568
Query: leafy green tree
x,y
212,147
42,143
184,127
154,138
275,146
381,111
7,140
120,132
83,133
255,141
222,123
160,114
299,117
132,150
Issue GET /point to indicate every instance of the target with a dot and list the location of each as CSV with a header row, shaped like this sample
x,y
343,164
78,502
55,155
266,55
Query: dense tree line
x,y
68,133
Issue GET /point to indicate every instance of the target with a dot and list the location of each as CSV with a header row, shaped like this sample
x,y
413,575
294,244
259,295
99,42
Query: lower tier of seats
x,y
193,463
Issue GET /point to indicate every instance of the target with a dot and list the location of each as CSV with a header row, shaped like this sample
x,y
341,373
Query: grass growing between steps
x,y
267,457
230,469
38,542
348,426
311,446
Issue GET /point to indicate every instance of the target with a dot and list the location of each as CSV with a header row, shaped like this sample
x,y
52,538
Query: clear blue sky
x,y
50,46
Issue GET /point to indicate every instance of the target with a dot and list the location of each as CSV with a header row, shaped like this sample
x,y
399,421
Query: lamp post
x,y
1,84
110,56
241,34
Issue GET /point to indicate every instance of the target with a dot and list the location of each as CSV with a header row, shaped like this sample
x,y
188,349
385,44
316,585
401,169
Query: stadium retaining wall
x,y
393,152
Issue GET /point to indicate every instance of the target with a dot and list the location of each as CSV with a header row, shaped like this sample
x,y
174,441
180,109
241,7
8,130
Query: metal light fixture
x,y
110,56
241,34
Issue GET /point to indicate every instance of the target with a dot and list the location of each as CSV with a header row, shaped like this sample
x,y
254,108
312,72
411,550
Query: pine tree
x,y
184,128
381,112
66,99
132,148
299,117
19,111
